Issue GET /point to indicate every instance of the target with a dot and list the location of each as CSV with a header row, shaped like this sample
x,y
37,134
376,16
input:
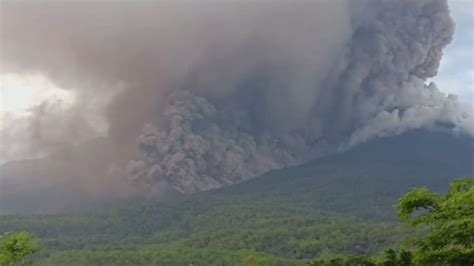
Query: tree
x,y
390,258
448,219
406,258
344,261
15,247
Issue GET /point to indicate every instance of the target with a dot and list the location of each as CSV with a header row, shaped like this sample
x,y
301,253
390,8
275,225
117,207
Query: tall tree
x,y
15,247
448,219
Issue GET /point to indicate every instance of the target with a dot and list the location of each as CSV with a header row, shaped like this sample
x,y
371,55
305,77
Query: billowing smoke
x,y
213,93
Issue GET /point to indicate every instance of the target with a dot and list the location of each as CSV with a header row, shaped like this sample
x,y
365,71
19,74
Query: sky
x,y
20,93
456,73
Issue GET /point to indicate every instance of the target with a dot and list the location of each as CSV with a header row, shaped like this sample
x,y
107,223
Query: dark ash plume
x,y
215,93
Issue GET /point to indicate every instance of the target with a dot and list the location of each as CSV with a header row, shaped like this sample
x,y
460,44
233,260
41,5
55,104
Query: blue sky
x,y
456,73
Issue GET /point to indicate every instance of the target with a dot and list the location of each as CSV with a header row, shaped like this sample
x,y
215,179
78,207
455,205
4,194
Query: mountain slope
x,y
339,205
368,179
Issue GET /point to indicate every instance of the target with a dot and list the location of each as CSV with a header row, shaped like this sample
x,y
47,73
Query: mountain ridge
x,y
386,167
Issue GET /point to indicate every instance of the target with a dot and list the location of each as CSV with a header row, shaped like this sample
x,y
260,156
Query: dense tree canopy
x,y
448,219
251,231
447,223
15,247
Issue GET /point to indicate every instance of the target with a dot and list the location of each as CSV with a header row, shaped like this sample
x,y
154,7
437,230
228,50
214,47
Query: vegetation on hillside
x,y
448,226
227,234
209,230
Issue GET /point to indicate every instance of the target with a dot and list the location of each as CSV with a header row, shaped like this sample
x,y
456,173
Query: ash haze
x,y
196,95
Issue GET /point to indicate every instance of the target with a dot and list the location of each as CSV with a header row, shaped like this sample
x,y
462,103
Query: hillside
x,y
368,179
339,205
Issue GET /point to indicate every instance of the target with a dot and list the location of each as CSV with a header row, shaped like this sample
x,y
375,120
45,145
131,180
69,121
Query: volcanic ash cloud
x,y
216,93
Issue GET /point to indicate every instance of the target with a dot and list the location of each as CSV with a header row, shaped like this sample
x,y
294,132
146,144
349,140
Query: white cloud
x,y
456,73
19,93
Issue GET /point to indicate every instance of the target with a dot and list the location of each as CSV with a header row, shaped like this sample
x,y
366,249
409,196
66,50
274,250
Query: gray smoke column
x,y
214,93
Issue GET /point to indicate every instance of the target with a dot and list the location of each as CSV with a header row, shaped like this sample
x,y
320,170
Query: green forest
x,y
431,229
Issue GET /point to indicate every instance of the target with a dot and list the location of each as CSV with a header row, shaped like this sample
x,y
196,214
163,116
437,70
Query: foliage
x,y
164,255
257,233
16,247
289,224
390,258
449,221
406,258
344,261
